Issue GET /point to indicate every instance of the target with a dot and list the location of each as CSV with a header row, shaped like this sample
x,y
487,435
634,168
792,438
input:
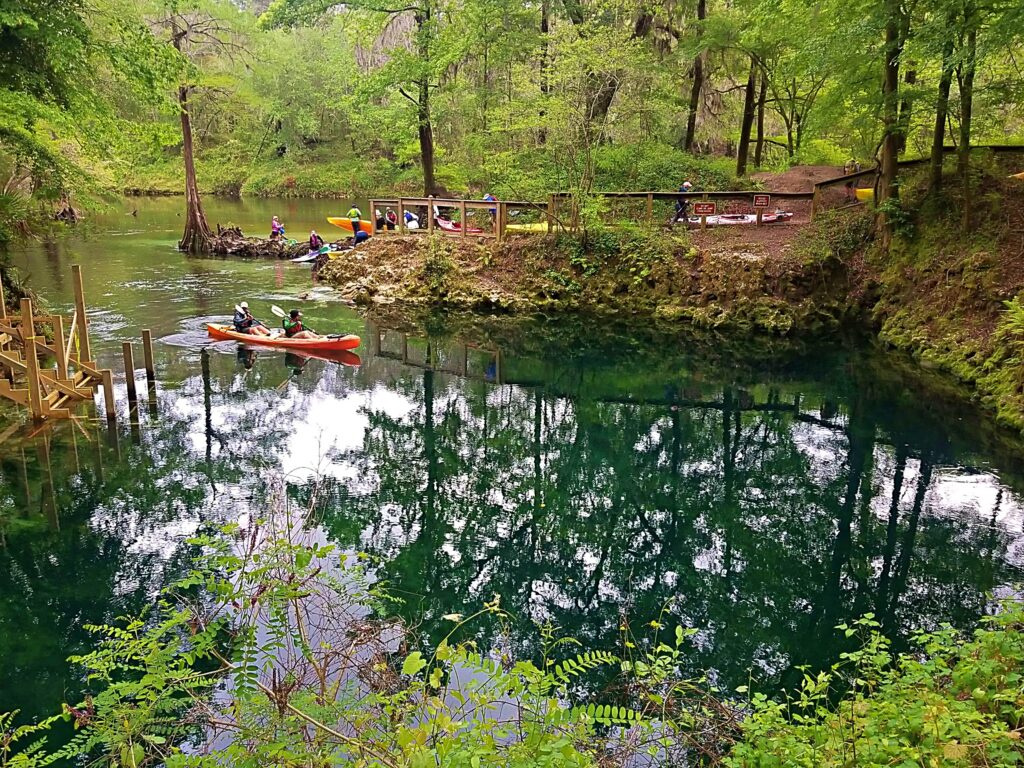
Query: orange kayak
x,y
226,333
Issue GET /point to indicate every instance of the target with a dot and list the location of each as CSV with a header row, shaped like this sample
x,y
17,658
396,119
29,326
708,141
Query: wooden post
x,y
430,214
129,373
58,344
760,213
401,217
814,203
108,394
84,348
373,231
462,216
704,219
551,213
499,221
650,207
147,353
28,335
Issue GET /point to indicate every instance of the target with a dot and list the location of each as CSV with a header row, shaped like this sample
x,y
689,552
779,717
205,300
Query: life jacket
x,y
291,327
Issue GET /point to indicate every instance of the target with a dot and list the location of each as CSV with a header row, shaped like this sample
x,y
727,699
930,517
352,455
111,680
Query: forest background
x,y
314,98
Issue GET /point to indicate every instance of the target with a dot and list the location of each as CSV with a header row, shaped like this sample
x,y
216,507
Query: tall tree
x,y
697,83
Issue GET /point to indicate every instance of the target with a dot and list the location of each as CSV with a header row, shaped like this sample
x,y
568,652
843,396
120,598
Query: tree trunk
x,y
607,85
941,109
762,97
747,124
545,83
966,109
426,133
906,107
197,235
424,126
887,182
698,80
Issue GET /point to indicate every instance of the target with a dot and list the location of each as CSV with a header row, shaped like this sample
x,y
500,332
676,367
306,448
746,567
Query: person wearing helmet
x,y
294,329
682,203
244,322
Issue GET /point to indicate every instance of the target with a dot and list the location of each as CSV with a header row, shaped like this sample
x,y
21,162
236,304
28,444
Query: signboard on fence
x,y
704,209
762,201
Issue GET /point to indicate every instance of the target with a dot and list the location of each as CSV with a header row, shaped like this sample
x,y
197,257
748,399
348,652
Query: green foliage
x,y
958,704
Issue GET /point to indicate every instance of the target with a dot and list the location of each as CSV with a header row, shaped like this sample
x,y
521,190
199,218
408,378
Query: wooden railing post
x,y
401,217
373,221
551,213
28,336
58,345
650,207
499,222
430,214
462,216
84,348
814,203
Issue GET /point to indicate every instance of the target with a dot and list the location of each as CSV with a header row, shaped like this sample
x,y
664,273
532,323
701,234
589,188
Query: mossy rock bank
x,y
660,275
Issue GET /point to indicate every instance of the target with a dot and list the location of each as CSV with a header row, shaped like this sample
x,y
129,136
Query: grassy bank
x,y
951,295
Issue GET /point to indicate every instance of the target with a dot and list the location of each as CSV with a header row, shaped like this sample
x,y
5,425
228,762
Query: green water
x,y
588,474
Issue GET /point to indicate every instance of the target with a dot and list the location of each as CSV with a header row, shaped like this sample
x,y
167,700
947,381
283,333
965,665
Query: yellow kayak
x,y
536,226
867,193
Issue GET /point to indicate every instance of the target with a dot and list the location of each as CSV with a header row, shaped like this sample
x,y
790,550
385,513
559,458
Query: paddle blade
x,y
277,310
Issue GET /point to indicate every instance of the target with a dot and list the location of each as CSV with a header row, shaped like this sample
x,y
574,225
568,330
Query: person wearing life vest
x,y
354,215
244,322
412,221
315,241
294,329
390,218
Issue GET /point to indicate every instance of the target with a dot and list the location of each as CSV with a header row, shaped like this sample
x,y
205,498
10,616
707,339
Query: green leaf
x,y
413,663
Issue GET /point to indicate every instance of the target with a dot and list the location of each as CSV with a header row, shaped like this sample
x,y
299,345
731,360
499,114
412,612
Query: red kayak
x,y
454,226
327,344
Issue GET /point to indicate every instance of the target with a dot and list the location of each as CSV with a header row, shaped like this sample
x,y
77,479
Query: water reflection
x,y
763,500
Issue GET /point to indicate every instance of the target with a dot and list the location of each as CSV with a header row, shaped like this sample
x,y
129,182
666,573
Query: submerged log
x,y
229,241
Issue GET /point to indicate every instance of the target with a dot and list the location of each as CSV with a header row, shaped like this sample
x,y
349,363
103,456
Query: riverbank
x,y
710,280
947,298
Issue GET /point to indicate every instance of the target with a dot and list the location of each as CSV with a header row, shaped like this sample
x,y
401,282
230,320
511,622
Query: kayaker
x,y
412,221
276,228
390,218
354,214
244,322
294,329
315,241
360,237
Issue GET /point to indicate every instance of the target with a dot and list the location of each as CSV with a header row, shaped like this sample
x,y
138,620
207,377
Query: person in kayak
x,y
294,329
276,228
315,241
244,322
390,218
354,214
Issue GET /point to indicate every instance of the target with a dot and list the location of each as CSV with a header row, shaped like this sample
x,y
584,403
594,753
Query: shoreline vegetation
x,y
278,650
949,299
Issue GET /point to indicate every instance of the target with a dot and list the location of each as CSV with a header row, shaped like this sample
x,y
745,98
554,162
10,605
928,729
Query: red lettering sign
x,y
704,209
762,201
